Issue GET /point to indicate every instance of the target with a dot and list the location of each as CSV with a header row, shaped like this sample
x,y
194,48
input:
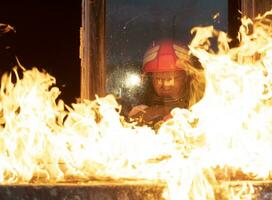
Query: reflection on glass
x,y
133,27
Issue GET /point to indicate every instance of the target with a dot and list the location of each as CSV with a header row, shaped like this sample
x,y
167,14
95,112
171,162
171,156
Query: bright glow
x,y
226,136
132,80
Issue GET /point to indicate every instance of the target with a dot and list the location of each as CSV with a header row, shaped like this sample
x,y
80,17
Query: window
x,y
112,52
133,25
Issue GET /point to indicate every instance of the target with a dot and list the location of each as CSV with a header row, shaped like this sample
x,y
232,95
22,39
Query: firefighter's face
x,y
169,84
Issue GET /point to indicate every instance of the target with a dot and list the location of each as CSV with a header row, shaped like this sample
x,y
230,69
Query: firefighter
x,y
177,80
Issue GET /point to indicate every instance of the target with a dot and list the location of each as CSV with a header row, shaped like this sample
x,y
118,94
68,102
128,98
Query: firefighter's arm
x,y
148,114
136,110
154,114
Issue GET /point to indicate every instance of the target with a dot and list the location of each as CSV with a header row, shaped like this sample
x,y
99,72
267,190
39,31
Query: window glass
x,y
134,25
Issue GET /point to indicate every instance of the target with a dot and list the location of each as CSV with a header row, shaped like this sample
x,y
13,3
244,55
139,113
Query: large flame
x,y
226,136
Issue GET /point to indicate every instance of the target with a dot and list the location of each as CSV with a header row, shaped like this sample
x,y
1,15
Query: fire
x,y
226,136
235,112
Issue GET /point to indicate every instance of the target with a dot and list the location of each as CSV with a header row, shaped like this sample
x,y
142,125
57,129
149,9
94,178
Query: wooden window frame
x,y
252,8
92,41
248,8
92,49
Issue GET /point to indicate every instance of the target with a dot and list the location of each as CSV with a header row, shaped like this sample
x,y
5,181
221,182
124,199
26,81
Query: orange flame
x,y
44,141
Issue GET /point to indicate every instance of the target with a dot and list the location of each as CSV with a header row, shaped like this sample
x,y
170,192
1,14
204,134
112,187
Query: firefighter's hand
x,y
149,115
137,110
146,114
154,114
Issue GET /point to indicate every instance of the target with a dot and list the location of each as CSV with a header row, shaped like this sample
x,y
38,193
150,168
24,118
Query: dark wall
x,y
47,37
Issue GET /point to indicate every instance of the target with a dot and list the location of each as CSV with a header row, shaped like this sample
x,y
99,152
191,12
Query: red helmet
x,y
163,57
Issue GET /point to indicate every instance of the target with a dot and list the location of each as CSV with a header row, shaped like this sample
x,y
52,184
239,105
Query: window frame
x,y
252,8
92,49
92,43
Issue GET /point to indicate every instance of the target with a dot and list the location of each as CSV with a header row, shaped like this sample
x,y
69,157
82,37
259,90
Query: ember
x,y
225,137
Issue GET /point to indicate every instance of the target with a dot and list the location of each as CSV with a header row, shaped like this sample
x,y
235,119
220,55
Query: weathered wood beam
x,y
252,8
92,49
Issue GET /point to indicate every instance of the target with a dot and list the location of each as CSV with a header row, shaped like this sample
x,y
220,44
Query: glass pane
x,y
132,26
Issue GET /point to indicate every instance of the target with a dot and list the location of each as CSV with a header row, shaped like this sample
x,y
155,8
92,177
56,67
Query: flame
x,y
225,136
235,112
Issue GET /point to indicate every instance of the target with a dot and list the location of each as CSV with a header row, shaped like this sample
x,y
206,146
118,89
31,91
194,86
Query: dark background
x,y
47,37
